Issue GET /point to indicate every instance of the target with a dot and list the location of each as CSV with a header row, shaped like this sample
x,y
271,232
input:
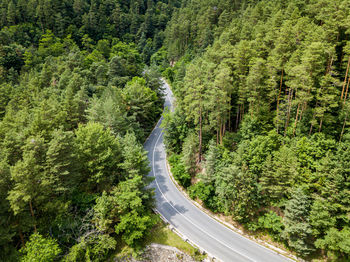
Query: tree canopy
x,y
77,102
262,118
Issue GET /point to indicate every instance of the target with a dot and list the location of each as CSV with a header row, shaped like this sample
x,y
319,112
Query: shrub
x,y
272,223
178,170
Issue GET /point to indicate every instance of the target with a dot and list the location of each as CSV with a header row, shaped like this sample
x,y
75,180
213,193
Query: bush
x,y
39,248
271,222
94,247
201,191
179,172
206,193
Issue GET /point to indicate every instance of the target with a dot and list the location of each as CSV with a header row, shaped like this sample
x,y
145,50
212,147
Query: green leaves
x,y
141,102
278,174
49,45
40,249
271,66
203,192
94,247
27,175
237,191
134,227
297,228
179,171
175,130
11,56
322,216
98,151
58,157
111,111
190,154
336,241
71,121
129,58
272,222
126,211
61,163
135,160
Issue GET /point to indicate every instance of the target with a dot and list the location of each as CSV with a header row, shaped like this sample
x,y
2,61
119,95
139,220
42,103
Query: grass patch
x,y
122,253
161,234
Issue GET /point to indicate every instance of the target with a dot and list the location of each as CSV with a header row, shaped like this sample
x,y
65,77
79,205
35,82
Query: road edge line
x,y
231,227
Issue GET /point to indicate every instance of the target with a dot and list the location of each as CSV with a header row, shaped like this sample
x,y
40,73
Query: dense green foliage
x,y
262,117
260,131
76,104
40,249
179,172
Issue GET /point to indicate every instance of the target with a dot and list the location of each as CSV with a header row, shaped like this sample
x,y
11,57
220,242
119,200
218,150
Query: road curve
x,y
207,233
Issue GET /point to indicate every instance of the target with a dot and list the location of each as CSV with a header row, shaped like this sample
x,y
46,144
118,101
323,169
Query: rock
x,y
160,253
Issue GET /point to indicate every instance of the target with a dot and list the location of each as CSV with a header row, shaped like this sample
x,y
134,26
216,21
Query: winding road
x,y
207,233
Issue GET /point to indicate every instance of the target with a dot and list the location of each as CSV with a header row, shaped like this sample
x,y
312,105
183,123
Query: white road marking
x,y
212,219
160,134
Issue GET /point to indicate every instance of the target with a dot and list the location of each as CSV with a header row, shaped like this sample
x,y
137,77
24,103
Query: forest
x,y
261,127
260,132
77,102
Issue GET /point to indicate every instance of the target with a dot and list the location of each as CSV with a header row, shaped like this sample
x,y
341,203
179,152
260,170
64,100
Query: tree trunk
x,y
344,124
222,126
229,115
290,97
277,122
319,130
217,135
32,213
296,120
301,113
223,130
220,132
346,92
310,132
242,114
21,237
329,65
279,93
200,136
278,100
251,108
313,117
237,117
346,77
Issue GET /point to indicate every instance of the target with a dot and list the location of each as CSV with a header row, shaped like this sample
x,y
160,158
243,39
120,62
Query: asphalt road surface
x,y
207,233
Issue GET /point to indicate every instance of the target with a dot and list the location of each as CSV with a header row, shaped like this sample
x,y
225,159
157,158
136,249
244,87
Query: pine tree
x,y
278,174
111,111
141,102
7,232
219,102
11,13
99,152
196,99
29,190
134,157
297,226
327,98
61,172
301,83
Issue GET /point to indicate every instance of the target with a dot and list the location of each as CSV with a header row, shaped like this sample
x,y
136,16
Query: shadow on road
x,y
172,210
